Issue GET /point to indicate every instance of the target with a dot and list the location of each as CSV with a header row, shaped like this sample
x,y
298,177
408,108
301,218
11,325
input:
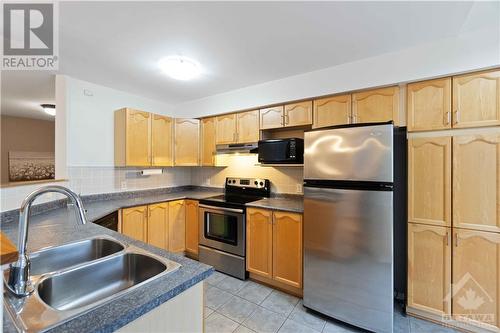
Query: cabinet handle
x,y
456,239
348,119
448,117
282,120
447,238
354,119
457,116
287,119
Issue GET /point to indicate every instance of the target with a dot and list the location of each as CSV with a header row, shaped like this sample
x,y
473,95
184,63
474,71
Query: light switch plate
x,y
299,188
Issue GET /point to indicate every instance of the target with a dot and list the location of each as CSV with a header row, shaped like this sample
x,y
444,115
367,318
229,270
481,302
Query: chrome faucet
x,y
19,283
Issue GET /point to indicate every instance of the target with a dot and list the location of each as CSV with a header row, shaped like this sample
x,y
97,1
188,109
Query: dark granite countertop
x,y
291,203
59,226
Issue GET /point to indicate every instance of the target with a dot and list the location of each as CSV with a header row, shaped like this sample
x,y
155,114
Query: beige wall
x,y
24,134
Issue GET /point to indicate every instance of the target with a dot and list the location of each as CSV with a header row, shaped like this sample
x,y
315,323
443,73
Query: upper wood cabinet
x,y
429,105
132,137
272,117
161,141
429,181
331,111
187,137
476,182
177,225
429,269
226,128
208,141
476,99
134,222
377,105
287,248
192,227
157,225
476,278
259,255
298,114
247,126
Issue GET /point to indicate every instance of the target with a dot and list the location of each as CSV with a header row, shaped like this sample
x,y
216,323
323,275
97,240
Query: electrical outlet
x,y
124,185
87,92
299,188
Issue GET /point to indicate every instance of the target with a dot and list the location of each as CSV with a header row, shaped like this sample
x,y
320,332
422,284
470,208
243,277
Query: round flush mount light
x,y
180,68
49,109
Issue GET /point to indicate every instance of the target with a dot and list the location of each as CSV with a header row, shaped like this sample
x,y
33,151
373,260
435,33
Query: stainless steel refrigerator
x,y
349,222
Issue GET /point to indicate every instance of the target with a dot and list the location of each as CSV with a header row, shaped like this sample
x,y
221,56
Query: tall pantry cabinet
x,y
454,201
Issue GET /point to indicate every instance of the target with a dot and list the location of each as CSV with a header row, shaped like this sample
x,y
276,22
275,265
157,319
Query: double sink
x,y
74,278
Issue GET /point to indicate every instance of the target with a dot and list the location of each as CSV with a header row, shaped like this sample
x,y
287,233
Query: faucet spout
x,y
19,271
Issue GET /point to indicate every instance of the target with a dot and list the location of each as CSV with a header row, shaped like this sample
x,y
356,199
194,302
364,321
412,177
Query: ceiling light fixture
x,y
180,68
49,109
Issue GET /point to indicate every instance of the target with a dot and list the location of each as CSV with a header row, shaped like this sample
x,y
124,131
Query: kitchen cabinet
x,y
134,222
132,137
208,141
377,105
429,269
429,105
274,245
187,136
272,117
157,225
476,99
247,126
192,227
476,278
287,248
161,141
429,180
177,226
226,129
298,114
476,182
331,111
259,249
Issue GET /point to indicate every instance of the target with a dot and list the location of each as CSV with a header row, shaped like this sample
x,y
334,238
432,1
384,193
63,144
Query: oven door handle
x,y
233,210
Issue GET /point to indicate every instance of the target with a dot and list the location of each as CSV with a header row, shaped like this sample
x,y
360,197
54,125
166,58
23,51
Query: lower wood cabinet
x,y
192,228
162,225
274,245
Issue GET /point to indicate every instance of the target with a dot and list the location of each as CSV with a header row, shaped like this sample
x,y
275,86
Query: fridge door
x,y
348,255
358,152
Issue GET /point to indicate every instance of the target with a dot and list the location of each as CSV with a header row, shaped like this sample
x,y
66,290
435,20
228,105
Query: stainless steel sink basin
x,y
59,257
91,283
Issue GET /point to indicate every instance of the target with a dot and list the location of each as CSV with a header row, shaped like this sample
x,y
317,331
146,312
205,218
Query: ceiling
x,y
118,44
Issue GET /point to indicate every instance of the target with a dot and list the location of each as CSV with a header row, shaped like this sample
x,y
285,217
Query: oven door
x,y
222,229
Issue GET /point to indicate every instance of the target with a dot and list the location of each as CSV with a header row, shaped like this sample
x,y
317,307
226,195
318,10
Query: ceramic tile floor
x,y
232,305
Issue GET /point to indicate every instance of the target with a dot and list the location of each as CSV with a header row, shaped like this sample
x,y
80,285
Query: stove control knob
x,y
261,183
256,183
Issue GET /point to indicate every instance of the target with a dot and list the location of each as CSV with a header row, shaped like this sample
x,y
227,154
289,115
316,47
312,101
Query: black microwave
x,y
283,151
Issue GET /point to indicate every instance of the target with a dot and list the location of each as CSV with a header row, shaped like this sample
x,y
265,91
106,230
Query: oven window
x,y
222,228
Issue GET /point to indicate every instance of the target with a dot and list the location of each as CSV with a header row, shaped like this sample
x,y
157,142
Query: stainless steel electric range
x,y
223,224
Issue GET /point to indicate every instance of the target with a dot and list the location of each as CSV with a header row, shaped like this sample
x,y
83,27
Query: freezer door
x,y
360,153
348,256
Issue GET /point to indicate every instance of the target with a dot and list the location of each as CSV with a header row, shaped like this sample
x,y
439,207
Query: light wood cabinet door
x,y
287,248
138,138
208,141
260,242
429,268
176,226
162,141
134,222
226,129
158,225
192,226
331,111
187,142
476,99
476,278
376,105
429,180
272,117
429,105
247,126
476,182
298,114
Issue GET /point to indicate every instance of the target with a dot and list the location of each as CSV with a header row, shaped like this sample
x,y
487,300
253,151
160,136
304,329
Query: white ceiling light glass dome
x,y
180,68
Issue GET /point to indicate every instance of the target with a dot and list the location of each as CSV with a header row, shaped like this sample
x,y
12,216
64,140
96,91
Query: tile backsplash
x,y
95,180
